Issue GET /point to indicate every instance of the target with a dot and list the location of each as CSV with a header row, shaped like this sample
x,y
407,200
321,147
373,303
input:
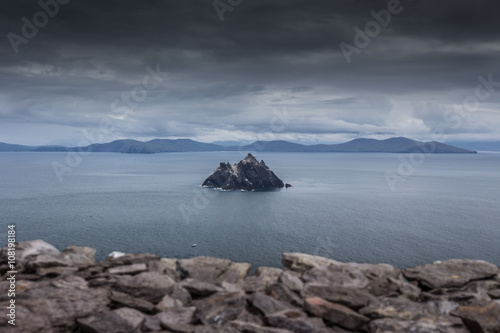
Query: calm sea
x,y
340,206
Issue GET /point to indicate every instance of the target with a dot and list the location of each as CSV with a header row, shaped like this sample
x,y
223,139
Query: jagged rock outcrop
x,y
248,175
146,293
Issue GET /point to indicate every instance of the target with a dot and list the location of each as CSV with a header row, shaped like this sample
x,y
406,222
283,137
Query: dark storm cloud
x,y
226,78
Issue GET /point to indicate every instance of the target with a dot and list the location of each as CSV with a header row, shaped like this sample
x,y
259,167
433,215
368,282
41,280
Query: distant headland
x,y
392,145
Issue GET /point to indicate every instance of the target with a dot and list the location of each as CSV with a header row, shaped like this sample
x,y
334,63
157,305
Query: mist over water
x,y
340,206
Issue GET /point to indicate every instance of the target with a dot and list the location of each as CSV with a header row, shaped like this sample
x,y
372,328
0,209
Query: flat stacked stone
x,y
70,292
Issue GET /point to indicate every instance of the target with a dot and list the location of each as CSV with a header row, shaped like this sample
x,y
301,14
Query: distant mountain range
x,y
392,145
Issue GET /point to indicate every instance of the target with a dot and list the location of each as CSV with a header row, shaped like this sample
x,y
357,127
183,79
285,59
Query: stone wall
x,y
69,292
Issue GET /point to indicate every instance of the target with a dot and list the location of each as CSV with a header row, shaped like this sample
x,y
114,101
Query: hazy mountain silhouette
x,y
392,145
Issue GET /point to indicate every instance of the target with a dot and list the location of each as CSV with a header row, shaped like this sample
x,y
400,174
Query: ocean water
x,y
340,206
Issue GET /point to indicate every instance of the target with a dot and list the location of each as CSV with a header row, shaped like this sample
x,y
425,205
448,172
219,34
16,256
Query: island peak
x,y
250,159
248,175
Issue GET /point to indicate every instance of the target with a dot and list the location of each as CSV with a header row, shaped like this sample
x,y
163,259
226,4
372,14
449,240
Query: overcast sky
x,y
296,70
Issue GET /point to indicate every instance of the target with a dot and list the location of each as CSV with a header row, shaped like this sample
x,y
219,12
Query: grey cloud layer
x,y
226,77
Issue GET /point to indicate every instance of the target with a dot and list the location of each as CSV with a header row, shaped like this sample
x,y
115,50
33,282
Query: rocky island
x,y
69,291
248,174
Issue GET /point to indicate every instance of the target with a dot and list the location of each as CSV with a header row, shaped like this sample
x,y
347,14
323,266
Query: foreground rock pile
x,y
70,292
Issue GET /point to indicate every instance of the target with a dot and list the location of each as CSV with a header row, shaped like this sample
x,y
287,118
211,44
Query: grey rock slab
x,y
400,308
214,329
350,297
483,318
116,321
425,325
495,293
235,273
454,273
31,249
262,278
40,308
252,284
242,326
25,320
384,279
179,328
282,293
296,321
248,317
199,288
169,263
151,324
300,262
335,313
379,279
69,282
176,316
271,274
56,271
165,266
220,308
292,281
167,303
231,286
440,307
267,304
206,269
467,297
91,272
389,325
21,286
181,294
337,275
78,256
128,269
482,285
338,329
125,300
43,261
403,287
149,286
103,280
